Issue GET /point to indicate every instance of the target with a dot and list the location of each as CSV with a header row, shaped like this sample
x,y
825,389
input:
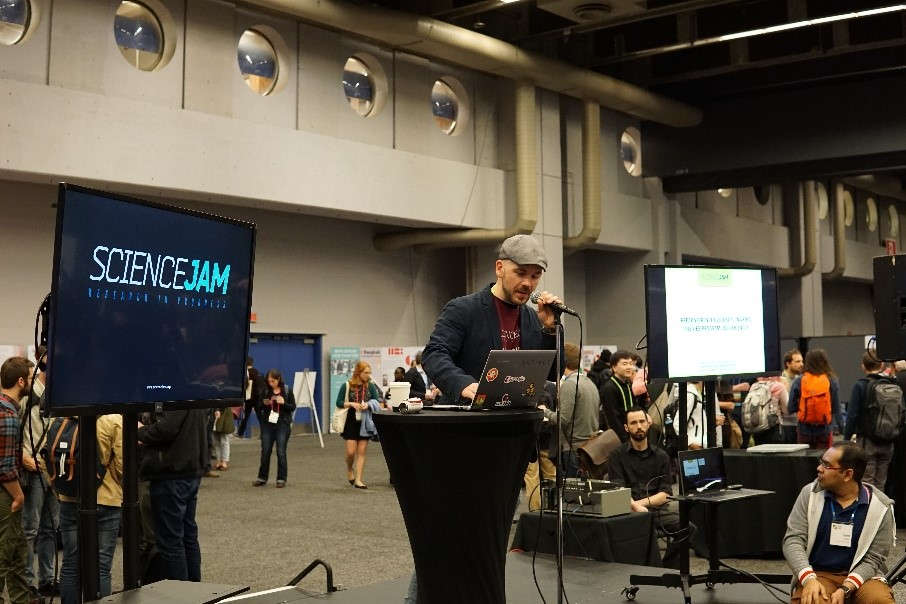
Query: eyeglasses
x,y
826,465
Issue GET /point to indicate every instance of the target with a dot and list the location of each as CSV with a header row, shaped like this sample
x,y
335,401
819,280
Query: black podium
x,y
457,477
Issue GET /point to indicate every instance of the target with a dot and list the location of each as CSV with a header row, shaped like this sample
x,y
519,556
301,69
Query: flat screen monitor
x,y
705,322
149,304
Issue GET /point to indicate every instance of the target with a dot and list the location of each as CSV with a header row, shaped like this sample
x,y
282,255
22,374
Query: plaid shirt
x,y
10,451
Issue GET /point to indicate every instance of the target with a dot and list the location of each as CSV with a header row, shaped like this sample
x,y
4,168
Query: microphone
x,y
557,306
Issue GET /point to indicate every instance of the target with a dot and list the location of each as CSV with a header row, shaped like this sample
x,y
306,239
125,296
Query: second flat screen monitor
x,y
706,322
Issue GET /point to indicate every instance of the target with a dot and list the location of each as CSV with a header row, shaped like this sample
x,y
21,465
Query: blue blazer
x,y
466,331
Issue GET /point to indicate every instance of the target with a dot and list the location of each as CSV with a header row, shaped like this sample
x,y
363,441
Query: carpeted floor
x,y
263,536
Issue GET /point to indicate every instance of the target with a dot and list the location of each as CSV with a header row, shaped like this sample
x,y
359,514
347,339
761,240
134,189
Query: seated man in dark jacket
x,y
174,458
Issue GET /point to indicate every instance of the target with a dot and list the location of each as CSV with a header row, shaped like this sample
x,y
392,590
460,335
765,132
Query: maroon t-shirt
x,y
508,318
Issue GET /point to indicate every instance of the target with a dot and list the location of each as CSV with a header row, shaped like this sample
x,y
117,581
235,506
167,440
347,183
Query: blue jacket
x,y
466,331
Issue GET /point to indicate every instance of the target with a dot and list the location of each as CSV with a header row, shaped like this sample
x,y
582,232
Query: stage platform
x,y
585,581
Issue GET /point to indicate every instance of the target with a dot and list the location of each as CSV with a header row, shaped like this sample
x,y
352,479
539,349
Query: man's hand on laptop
x,y
470,391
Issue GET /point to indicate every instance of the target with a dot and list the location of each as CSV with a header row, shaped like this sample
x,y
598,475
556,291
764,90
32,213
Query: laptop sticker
x,y
492,374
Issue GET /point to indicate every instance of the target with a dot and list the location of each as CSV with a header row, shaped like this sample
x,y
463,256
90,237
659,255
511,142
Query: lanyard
x,y
852,516
626,405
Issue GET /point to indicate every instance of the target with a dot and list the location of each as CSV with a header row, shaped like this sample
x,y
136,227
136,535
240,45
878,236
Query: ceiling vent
x,y
583,11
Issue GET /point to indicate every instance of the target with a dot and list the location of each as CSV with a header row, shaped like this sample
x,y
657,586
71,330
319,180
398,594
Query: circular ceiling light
x,y
725,193
894,218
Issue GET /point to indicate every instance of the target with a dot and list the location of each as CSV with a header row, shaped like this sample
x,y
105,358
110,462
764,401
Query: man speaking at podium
x,y
495,318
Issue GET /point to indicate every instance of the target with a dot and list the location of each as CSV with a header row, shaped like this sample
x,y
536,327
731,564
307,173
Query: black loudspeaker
x,y
890,306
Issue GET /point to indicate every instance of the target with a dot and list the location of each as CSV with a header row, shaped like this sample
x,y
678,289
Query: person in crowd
x,y
777,405
878,453
543,465
416,376
496,317
278,405
840,533
577,415
640,394
815,398
109,503
740,388
399,375
15,382
41,515
792,368
361,396
600,369
224,425
616,393
696,416
254,386
210,469
899,374
175,454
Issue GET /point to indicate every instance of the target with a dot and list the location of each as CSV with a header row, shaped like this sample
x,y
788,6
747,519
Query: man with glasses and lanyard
x,y
839,534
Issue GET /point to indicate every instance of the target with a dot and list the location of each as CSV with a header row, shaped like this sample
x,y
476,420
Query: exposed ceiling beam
x,y
688,76
654,13
650,52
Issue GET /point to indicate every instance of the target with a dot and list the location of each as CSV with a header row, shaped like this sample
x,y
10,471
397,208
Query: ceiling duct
x,y
439,40
583,11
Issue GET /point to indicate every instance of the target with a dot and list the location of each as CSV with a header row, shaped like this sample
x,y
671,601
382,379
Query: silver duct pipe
x,y
839,235
439,40
809,231
591,180
526,193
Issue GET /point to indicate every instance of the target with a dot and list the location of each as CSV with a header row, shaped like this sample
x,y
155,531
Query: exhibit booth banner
x,y
342,362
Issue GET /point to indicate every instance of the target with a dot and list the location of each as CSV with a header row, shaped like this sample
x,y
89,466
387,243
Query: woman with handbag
x,y
357,399
276,415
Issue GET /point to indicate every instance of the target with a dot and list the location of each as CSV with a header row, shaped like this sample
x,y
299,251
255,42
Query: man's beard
x,y
510,295
639,436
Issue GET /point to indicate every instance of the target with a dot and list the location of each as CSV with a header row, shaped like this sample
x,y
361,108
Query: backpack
x,y
61,457
884,413
759,413
815,400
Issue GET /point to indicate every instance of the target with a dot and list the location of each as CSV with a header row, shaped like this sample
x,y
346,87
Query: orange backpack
x,y
815,400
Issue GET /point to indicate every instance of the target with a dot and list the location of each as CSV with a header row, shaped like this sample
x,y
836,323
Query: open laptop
x,y
511,379
703,475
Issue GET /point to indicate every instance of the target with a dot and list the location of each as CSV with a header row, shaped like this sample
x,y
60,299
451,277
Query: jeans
x,y
108,519
270,434
173,505
222,446
12,551
40,519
